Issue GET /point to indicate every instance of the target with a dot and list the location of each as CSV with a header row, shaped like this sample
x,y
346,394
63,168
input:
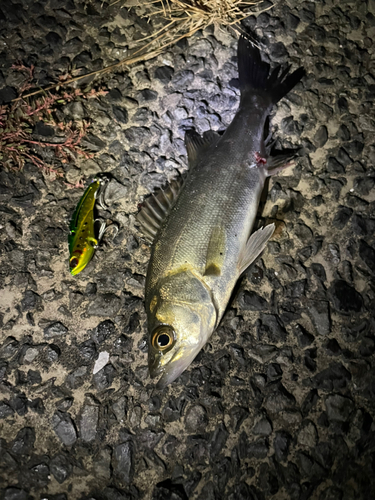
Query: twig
x,y
127,61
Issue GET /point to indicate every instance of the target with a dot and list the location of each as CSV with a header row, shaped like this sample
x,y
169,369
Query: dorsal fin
x,y
157,206
197,145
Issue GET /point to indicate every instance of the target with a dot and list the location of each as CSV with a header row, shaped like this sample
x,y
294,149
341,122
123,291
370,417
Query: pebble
x,y
55,329
104,331
19,404
120,114
7,94
320,316
52,353
196,418
30,301
123,462
164,74
345,298
15,494
338,407
252,301
30,354
116,191
367,254
263,427
342,217
87,351
102,465
88,423
308,435
182,79
218,440
280,399
64,428
321,136
101,361
24,442
104,378
60,467
105,304
75,379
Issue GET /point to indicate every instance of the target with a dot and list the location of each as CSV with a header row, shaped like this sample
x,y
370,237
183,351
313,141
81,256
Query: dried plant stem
x,y
127,61
185,17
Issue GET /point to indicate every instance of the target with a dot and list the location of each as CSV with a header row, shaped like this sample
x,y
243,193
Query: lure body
x,y
82,237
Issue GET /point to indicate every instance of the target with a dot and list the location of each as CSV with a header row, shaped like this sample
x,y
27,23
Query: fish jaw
x,y
181,360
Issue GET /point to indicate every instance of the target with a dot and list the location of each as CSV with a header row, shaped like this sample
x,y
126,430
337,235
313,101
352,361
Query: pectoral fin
x,y
215,252
254,247
279,162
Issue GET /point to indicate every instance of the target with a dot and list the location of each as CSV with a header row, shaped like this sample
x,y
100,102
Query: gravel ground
x,y
279,404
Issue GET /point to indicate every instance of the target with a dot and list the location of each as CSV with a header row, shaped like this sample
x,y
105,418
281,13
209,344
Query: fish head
x,y
179,327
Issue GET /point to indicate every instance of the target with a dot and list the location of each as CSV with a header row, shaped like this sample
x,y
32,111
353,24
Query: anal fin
x,y
254,247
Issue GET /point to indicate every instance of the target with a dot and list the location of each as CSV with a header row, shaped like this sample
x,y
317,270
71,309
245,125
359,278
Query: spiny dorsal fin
x,y
157,206
197,145
254,247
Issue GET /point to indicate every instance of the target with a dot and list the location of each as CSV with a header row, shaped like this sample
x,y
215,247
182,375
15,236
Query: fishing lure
x,y
83,237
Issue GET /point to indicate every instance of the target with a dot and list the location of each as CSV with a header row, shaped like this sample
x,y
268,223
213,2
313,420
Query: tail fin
x,y
255,73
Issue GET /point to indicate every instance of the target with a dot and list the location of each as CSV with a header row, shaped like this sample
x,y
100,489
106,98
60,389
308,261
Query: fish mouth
x,y
173,369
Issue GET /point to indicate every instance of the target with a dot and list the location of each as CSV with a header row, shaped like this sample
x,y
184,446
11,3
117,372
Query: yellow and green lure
x,y
82,237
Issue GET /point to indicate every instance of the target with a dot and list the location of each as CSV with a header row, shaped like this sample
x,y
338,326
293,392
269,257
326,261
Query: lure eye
x,y
73,263
163,338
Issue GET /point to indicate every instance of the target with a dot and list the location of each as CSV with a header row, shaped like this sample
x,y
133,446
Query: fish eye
x,y
163,338
73,263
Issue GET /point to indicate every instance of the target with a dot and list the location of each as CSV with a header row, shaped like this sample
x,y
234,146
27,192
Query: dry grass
x,y
177,19
185,17
18,144
173,20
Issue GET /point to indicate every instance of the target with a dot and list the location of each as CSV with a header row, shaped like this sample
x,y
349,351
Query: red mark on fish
x,y
260,159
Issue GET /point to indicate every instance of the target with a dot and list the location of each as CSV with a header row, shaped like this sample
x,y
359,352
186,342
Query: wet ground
x,y
280,403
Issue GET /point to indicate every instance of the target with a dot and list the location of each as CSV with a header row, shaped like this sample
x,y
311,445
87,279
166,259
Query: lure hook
x,y
99,195
104,228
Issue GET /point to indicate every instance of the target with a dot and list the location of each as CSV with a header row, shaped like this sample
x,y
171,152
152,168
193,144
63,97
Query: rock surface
x,y
280,403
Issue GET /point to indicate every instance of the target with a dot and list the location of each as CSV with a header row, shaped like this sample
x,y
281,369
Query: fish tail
x,y
255,74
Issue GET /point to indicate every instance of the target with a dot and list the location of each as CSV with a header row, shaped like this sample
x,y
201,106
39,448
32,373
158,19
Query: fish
x,y
200,226
83,238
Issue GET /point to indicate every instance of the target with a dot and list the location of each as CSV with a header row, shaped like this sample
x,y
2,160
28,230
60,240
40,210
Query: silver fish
x,y
201,226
